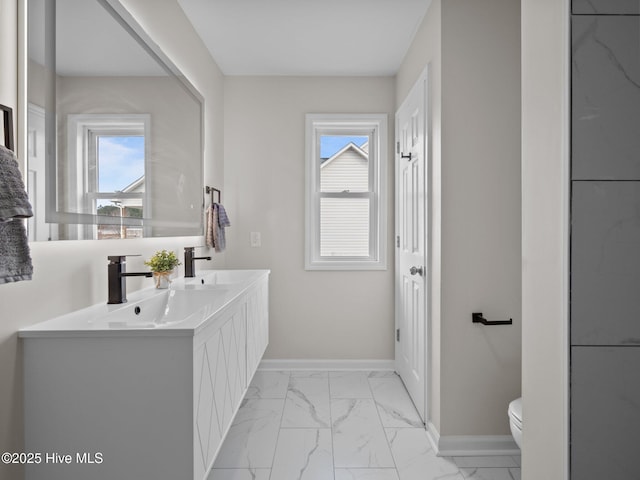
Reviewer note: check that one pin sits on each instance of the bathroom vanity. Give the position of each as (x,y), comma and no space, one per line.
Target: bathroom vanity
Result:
(146,389)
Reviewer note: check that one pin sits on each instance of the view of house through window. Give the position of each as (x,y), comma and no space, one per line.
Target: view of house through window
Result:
(120,186)
(345,191)
(344,218)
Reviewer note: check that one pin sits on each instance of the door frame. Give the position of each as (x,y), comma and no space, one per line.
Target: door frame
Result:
(423,81)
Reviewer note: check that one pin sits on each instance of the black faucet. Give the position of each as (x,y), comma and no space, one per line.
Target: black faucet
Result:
(117,278)
(189,267)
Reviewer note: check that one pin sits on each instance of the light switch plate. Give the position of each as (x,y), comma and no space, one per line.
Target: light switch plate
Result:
(256,241)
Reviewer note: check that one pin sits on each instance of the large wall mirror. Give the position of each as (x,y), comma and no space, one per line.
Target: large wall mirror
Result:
(115,131)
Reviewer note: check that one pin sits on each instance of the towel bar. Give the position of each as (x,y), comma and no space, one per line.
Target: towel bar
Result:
(478,318)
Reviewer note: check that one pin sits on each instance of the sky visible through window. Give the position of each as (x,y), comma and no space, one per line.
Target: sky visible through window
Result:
(331,144)
(120,161)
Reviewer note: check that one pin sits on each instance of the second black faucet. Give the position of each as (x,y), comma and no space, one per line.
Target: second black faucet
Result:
(189,261)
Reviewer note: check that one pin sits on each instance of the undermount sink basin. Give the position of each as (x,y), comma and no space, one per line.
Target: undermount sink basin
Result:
(167,308)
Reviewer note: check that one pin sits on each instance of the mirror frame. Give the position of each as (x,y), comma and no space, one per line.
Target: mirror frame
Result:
(126,20)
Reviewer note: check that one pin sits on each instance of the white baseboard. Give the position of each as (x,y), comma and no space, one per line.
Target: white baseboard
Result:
(320,364)
(470,445)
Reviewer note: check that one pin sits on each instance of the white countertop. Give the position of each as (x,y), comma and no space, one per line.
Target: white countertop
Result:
(197,299)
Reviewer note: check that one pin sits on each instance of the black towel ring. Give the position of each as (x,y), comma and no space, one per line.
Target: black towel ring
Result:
(212,191)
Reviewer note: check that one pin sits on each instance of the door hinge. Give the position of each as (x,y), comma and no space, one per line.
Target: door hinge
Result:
(397,147)
(397,334)
(398,241)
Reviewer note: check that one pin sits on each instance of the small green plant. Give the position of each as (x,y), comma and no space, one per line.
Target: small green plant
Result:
(163,261)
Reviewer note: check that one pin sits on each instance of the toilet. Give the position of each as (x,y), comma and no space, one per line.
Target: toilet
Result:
(515,420)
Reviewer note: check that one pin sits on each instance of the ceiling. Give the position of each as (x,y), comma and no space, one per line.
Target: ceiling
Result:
(307,37)
(82,30)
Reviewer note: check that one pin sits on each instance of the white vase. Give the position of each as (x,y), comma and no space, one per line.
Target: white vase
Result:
(163,279)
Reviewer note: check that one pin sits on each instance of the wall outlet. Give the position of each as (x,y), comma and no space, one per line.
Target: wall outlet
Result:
(256,241)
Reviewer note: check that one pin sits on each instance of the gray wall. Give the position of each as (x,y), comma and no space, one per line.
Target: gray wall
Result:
(314,314)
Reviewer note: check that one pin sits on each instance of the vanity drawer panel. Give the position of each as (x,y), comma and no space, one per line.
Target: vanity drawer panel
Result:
(605,96)
(605,263)
(605,413)
(605,7)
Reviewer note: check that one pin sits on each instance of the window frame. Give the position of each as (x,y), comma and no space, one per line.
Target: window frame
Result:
(83,131)
(374,126)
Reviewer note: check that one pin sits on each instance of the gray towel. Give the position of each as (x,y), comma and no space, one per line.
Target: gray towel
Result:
(14,202)
(15,259)
(210,230)
(217,221)
(221,224)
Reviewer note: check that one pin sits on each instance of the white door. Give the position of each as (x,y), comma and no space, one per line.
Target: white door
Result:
(411,267)
(38,229)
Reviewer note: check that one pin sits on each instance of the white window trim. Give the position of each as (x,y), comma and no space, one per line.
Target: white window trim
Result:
(326,124)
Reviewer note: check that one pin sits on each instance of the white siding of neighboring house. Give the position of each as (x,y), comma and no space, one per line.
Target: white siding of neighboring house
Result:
(347,170)
(138,186)
(344,222)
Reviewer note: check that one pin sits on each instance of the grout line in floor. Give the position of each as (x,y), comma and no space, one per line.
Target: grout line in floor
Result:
(384,430)
(284,405)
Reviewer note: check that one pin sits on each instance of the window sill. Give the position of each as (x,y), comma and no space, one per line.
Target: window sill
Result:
(325,265)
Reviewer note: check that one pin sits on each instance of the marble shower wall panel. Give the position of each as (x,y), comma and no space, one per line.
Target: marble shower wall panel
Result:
(605,259)
(605,97)
(606,7)
(605,413)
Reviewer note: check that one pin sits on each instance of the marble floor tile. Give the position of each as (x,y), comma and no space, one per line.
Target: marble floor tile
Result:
(489,461)
(239,474)
(307,403)
(366,474)
(358,437)
(491,473)
(349,385)
(309,425)
(303,454)
(394,404)
(310,373)
(267,384)
(251,440)
(415,459)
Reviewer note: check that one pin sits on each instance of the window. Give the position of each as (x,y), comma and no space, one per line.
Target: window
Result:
(110,150)
(346,163)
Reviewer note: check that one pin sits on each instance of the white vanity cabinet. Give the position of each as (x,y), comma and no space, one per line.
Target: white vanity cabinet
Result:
(146,404)
(257,324)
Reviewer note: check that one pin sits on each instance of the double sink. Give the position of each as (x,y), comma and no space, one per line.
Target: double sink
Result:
(185,305)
